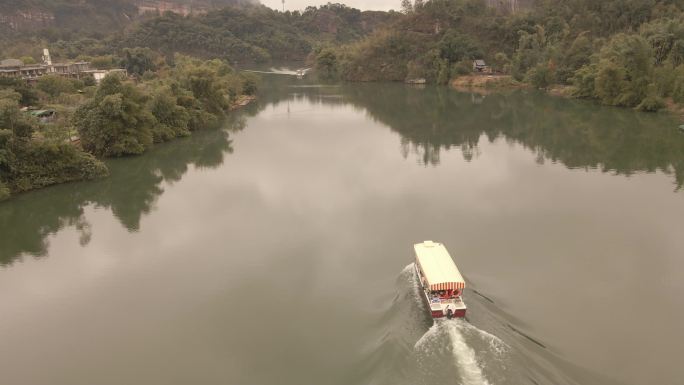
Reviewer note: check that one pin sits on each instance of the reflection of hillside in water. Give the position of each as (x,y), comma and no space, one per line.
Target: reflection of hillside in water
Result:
(129,192)
(575,133)
(429,120)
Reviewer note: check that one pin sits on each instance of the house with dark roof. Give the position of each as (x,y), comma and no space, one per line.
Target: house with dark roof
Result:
(479,65)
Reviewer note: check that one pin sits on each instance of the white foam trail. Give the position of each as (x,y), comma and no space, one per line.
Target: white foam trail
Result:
(410,273)
(466,361)
(274,71)
(430,334)
(496,343)
(407,269)
(465,358)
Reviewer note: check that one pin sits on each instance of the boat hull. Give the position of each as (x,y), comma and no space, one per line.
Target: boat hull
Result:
(458,313)
(440,309)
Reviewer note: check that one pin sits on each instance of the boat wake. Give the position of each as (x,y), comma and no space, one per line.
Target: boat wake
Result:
(469,350)
(408,347)
(413,349)
(469,368)
(446,336)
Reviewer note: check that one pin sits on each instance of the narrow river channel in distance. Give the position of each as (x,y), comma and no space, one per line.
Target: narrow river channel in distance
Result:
(278,249)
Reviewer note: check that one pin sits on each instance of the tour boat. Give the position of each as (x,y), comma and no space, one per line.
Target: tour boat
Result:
(441,282)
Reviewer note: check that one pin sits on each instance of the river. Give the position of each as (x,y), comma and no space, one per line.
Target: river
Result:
(278,249)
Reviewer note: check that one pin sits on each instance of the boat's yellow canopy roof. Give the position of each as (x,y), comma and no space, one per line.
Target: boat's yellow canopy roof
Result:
(438,267)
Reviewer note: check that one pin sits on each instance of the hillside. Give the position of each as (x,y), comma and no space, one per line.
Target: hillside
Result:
(74,15)
(621,52)
(236,30)
(95,15)
(187,7)
(255,33)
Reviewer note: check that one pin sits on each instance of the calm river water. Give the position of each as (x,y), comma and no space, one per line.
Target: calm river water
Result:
(278,250)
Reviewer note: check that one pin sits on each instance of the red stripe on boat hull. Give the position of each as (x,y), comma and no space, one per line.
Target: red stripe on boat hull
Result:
(460,313)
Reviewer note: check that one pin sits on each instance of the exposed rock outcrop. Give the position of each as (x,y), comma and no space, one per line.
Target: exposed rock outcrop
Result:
(26,19)
(511,5)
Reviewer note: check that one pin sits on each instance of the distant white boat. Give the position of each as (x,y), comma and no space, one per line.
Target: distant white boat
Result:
(440,280)
(302,72)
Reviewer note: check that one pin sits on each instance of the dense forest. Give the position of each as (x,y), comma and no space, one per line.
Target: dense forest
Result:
(93,17)
(619,52)
(180,77)
(245,33)
(584,137)
(63,17)
(118,117)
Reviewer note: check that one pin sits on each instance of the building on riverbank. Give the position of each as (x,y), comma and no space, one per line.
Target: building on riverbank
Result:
(98,75)
(479,65)
(17,69)
(13,68)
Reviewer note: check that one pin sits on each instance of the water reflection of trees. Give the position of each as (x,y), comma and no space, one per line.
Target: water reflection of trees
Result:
(575,133)
(130,192)
(430,120)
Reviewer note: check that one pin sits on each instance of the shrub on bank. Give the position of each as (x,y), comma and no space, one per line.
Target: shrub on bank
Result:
(26,163)
(124,118)
(115,122)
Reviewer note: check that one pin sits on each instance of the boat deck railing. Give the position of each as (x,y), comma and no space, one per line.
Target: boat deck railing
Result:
(457,300)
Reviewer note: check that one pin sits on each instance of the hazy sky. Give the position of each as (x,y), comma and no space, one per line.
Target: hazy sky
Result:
(361,4)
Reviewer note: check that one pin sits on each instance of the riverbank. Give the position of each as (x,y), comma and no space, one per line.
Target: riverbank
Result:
(119,117)
(487,84)
(68,163)
(669,105)
(181,222)
(675,108)
(487,81)
(242,101)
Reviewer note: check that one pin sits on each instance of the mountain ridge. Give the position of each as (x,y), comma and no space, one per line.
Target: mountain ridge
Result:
(97,15)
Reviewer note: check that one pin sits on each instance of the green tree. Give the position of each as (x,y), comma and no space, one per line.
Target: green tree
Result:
(28,60)
(54,85)
(250,84)
(625,70)
(4,191)
(212,83)
(501,62)
(26,163)
(610,82)
(138,60)
(455,47)
(28,95)
(115,122)
(406,6)
(6,158)
(575,57)
(584,81)
(531,51)
(541,76)
(678,84)
(666,37)
(12,119)
(326,64)
(170,118)
(103,62)
(652,102)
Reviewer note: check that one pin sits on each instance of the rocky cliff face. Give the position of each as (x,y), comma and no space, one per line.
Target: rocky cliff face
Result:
(511,5)
(26,19)
(186,7)
(79,16)
(167,6)
(95,15)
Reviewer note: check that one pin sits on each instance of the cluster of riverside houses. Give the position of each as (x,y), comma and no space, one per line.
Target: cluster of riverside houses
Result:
(14,68)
